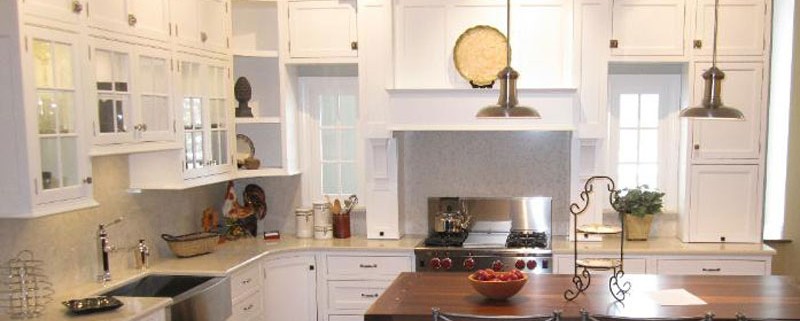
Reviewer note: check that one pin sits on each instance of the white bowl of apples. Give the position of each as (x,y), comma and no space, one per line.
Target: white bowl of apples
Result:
(498,285)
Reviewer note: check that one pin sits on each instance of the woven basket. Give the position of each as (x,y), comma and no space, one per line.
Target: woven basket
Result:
(192,244)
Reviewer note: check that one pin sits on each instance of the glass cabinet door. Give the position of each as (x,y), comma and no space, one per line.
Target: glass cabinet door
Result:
(55,103)
(112,82)
(218,116)
(155,121)
(193,120)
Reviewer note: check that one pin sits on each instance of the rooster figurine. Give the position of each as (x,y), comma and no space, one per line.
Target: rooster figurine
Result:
(232,209)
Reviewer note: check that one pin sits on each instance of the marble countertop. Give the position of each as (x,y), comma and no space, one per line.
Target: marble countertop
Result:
(228,257)
(662,246)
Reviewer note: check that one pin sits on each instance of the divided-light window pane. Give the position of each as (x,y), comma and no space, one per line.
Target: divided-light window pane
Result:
(628,142)
(628,110)
(649,111)
(648,145)
(330,178)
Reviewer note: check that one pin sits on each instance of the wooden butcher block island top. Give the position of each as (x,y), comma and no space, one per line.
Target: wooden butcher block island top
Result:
(412,294)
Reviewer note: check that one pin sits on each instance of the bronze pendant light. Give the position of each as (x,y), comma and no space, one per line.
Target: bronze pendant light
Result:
(507,105)
(712,106)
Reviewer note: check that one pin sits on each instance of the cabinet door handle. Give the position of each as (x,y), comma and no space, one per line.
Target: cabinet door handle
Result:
(696,146)
(354,45)
(368,266)
(614,43)
(248,307)
(698,44)
(132,20)
(87,180)
(203,37)
(77,7)
(373,295)
(712,269)
(247,281)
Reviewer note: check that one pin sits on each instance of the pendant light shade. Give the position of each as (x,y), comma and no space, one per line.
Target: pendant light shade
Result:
(507,104)
(712,106)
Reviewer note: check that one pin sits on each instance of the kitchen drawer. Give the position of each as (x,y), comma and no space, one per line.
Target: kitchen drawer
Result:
(565,265)
(711,267)
(245,280)
(346,317)
(354,295)
(247,308)
(367,267)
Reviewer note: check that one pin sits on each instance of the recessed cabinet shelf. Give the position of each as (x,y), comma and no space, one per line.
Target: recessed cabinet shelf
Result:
(263,172)
(255,53)
(257,120)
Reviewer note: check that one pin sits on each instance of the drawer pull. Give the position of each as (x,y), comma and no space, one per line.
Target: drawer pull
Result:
(248,307)
(712,270)
(373,295)
(247,281)
(368,266)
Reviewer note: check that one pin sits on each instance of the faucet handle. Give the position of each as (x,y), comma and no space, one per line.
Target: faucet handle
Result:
(142,255)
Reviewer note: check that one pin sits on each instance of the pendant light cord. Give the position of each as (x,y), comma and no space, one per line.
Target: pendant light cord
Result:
(508,33)
(716,23)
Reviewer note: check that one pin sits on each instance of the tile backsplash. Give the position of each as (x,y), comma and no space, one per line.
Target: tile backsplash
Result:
(518,163)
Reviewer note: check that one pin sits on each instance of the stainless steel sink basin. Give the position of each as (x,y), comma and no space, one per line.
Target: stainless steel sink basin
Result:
(195,298)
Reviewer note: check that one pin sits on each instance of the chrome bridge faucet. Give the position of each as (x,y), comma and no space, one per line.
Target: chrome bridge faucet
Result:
(105,247)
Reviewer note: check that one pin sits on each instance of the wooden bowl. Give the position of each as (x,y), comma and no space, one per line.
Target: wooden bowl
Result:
(497,290)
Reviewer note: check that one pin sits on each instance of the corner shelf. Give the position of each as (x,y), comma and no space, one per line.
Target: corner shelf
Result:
(263,172)
(257,120)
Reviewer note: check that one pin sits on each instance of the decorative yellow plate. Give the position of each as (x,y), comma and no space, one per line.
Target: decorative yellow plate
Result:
(599,229)
(479,54)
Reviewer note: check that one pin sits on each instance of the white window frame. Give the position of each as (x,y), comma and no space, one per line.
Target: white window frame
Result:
(668,86)
(310,150)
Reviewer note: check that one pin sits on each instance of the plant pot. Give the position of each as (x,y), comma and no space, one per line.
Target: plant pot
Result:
(637,228)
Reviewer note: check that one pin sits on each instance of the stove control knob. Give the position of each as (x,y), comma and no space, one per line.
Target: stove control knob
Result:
(497,265)
(531,264)
(520,264)
(436,263)
(447,263)
(469,264)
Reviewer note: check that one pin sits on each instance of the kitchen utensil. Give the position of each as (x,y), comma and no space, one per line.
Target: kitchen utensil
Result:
(193,244)
(92,304)
(336,209)
(450,222)
(26,289)
(350,203)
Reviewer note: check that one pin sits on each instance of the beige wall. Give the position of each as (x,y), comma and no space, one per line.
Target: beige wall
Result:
(788,258)
(67,242)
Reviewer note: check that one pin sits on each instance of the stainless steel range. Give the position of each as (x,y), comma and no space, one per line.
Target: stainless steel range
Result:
(498,233)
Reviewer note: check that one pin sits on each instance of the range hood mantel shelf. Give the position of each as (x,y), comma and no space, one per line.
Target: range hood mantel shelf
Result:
(487,91)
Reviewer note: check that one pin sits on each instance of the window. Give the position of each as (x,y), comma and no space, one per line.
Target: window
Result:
(644,132)
(331,155)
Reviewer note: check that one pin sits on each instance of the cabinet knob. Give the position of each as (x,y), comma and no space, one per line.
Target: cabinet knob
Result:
(203,37)
(131,20)
(354,45)
(696,146)
(698,44)
(613,43)
(77,7)
(87,180)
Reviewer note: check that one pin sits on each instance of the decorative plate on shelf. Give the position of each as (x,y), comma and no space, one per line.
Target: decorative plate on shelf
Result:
(599,229)
(244,148)
(479,54)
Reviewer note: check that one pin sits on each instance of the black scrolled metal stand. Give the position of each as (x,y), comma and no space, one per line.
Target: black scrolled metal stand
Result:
(619,288)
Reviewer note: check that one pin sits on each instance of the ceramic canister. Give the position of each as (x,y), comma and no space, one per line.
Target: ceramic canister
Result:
(323,232)
(305,222)
(322,214)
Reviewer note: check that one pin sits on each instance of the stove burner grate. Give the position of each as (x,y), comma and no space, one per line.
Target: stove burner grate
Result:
(446,239)
(527,240)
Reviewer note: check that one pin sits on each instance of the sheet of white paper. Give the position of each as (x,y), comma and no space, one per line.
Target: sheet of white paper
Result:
(675,297)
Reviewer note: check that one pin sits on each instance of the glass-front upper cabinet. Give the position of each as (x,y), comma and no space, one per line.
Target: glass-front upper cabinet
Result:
(204,117)
(62,162)
(132,92)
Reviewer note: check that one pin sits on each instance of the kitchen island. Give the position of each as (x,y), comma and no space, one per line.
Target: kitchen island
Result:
(412,295)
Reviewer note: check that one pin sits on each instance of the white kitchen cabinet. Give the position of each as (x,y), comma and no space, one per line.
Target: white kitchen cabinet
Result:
(201,24)
(322,29)
(47,169)
(147,19)
(246,298)
(352,281)
(705,266)
(290,288)
(723,204)
(648,27)
(592,29)
(132,97)
(731,140)
(205,129)
(61,13)
(734,37)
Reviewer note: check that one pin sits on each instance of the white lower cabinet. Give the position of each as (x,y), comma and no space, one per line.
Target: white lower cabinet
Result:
(713,267)
(354,280)
(246,299)
(290,288)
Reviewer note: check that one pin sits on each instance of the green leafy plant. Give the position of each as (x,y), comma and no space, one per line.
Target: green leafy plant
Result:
(639,201)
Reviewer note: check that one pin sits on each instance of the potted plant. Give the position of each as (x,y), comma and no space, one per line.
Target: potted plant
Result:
(637,207)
